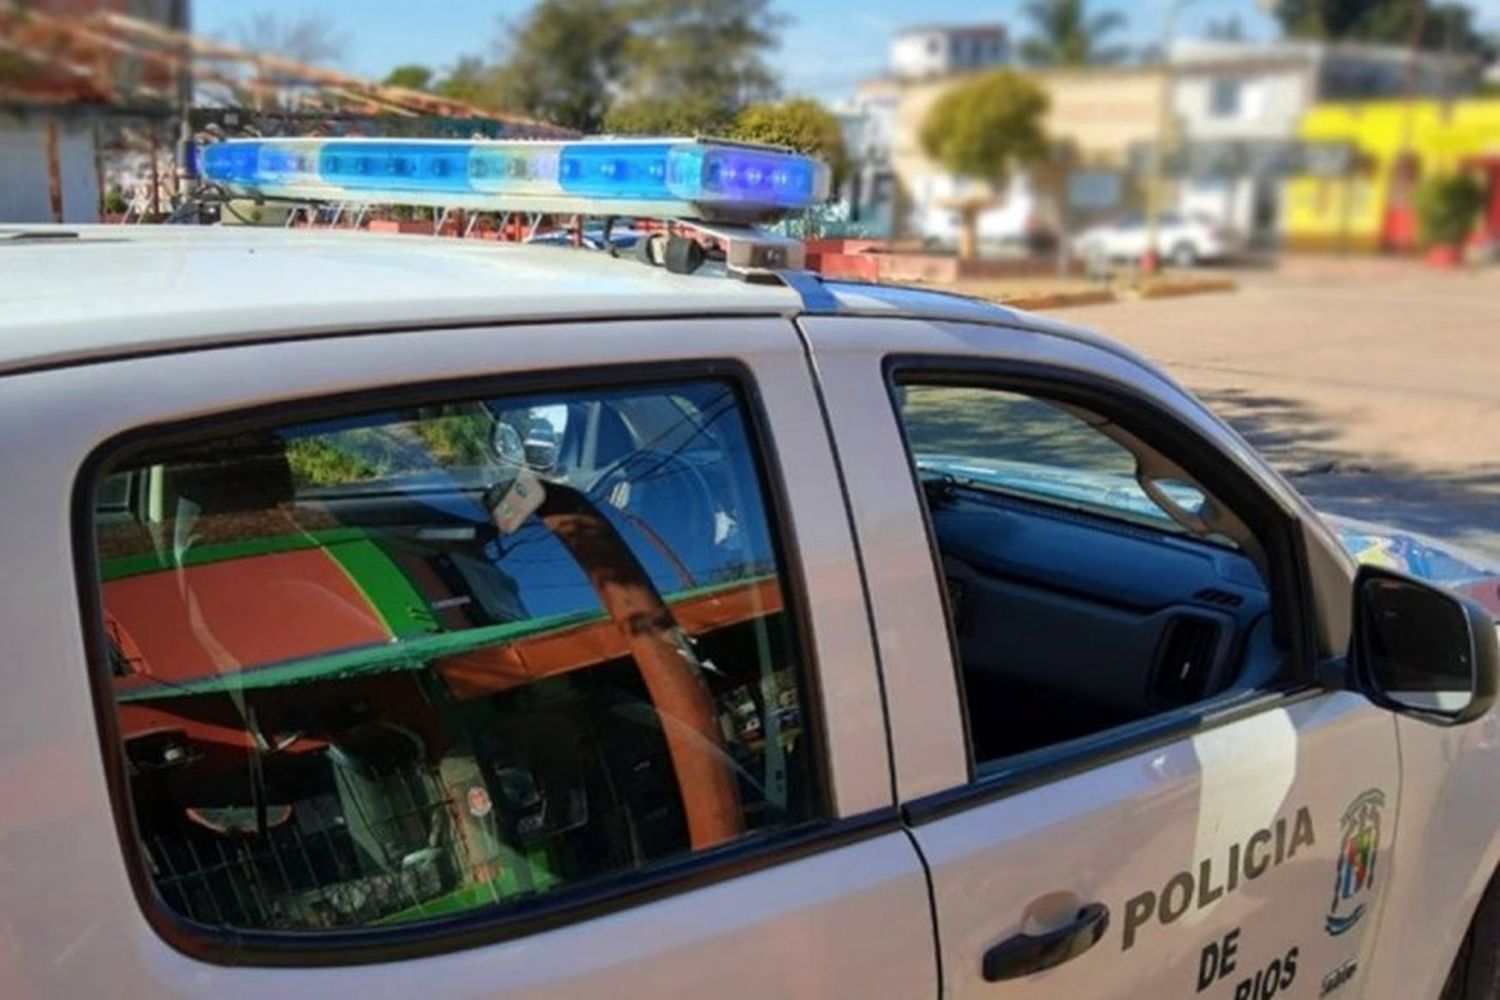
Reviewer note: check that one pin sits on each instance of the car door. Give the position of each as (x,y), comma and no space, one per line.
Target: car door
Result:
(1109,745)
(384,690)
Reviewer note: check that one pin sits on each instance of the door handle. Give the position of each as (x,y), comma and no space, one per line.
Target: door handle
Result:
(1027,953)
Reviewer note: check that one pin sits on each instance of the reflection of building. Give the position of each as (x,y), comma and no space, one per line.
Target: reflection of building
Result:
(50,107)
(926,51)
(1100,114)
(1366,160)
(1238,106)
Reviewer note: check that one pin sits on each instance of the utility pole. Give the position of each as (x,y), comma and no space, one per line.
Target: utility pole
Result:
(183,148)
(1151,259)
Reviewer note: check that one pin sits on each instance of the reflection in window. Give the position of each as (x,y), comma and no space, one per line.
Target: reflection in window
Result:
(392,667)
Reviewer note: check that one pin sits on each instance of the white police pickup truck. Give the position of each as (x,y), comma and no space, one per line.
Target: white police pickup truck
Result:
(397,617)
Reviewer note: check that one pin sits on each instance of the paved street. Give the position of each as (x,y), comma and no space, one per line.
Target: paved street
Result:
(1375,385)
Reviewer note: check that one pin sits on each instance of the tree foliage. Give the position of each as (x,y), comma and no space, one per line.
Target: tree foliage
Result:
(700,50)
(1066,34)
(688,115)
(473,81)
(1446,27)
(412,76)
(986,127)
(1449,206)
(565,62)
(800,124)
(983,129)
(629,66)
(310,39)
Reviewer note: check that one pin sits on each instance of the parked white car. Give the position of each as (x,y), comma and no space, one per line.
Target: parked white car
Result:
(1184,240)
(484,620)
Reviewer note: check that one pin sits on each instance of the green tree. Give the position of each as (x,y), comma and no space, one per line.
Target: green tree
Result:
(708,50)
(681,116)
(565,61)
(412,76)
(984,129)
(1448,206)
(473,81)
(1446,27)
(1068,35)
(800,124)
(629,66)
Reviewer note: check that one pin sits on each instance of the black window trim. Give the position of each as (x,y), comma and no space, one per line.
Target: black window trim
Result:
(490,924)
(1292,607)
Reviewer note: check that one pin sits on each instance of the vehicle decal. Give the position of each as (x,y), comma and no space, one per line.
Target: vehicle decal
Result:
(1338,977)
(1359,833)
(1219,959)
(1271,980)
(1262,850)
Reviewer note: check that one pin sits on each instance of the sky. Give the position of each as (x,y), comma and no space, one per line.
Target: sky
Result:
(827,46)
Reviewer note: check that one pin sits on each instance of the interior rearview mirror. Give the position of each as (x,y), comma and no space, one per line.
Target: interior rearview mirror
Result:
(1422,651)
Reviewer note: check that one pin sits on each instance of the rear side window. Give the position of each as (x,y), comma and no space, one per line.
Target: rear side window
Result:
(405,664)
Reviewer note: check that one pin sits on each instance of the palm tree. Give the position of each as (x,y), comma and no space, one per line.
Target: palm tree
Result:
(1067,35)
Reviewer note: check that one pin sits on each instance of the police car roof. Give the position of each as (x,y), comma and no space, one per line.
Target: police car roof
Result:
(84,293)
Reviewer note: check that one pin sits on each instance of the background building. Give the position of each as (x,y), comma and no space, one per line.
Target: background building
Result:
(1366,160)
(1101,116)
(925,51)
(1238,109)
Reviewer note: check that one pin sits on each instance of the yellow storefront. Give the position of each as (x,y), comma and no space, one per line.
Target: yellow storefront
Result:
(1363,199)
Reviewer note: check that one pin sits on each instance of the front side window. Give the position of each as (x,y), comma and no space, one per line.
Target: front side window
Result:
(1092,583)
(1011,443)
(404,664)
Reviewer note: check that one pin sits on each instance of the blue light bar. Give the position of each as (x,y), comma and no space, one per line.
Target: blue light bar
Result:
(666,177)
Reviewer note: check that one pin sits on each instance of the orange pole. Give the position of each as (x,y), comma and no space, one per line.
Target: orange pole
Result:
(54,173)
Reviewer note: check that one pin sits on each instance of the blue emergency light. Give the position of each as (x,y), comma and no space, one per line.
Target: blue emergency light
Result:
(682,178)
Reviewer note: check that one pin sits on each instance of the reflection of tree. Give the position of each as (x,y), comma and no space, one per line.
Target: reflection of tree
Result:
(989,424)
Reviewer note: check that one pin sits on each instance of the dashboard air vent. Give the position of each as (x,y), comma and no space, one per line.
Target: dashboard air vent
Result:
(1186,660)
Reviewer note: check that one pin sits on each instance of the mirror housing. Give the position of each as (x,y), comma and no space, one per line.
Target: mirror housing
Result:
(1420,650)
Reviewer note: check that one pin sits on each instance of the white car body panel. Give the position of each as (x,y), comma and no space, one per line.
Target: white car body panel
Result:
(155,325)
(1087,838)
(853,917)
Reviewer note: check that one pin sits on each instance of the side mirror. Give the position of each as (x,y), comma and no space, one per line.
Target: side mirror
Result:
(1422,651)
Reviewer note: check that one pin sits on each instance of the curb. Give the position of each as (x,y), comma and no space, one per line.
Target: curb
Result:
(1173,289)
(1059,300)
(1101,296)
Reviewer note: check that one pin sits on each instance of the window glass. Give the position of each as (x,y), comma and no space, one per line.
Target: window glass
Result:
(396,666)
(1080,601)
(1224,98)
(1017,444)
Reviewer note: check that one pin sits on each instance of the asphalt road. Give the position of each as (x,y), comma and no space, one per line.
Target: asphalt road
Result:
(1374,385)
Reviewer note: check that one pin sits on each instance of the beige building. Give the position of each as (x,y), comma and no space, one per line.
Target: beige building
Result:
(1102,114)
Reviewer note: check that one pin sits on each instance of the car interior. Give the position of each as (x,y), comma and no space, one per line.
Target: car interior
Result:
(1080,599)
(318,729)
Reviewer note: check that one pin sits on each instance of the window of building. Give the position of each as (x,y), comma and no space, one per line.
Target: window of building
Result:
(1092,583)
(1224,98)
(384,668)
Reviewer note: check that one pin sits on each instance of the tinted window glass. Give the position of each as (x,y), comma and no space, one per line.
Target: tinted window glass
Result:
(1083,597)
(405,664)
(1029,447)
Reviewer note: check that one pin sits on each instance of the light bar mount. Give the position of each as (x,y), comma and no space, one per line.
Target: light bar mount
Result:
(750,251)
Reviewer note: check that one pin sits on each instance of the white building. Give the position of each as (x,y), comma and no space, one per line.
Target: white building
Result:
(1237,107)
(926,51)
(35,152)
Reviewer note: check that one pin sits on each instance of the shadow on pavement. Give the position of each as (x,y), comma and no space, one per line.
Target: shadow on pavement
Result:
(1461,506)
